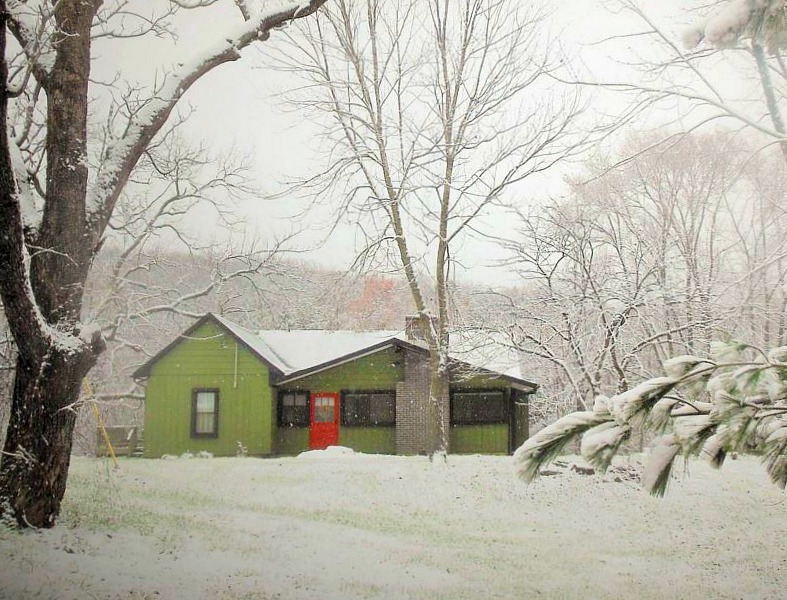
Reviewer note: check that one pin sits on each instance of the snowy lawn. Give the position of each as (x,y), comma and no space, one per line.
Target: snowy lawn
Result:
(329,525)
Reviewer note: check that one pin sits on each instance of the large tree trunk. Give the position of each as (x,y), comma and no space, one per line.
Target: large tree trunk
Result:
(53,354)
(37,448)
(437,417)
(437,425)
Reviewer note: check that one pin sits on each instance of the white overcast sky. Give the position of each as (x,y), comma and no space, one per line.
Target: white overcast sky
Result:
(236,109)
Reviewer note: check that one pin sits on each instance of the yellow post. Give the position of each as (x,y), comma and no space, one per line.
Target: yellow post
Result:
(88,389)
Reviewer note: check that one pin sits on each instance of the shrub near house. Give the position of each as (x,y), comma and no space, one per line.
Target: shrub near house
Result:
(283,392)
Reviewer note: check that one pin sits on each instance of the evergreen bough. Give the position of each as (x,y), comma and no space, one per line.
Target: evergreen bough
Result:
(734,401)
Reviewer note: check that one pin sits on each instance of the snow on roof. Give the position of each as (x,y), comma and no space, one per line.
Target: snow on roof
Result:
(254,342)
(296,351)
(487,354)
(301,349)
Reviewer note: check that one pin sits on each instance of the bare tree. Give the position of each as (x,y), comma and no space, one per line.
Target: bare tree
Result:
(173,181)
(733,400)
(586,281)
(432,111)
(56,223)
(757,277)
(655,257)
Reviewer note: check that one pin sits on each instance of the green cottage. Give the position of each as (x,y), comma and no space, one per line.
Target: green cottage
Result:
(219,386)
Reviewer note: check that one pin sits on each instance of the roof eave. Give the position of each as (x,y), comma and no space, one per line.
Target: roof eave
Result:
(516,382)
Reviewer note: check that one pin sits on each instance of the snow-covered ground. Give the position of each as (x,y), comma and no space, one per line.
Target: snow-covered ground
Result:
(333,525)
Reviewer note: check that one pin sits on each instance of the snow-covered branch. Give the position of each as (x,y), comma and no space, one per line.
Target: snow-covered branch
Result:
(548,443)
(29,201)
(121,157)
(747,412)
(762,20)
(31,22)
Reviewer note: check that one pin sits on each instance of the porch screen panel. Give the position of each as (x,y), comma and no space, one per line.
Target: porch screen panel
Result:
(382,409)
(479,407)
(369,409)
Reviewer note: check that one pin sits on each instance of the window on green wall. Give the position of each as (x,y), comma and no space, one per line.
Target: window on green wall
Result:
(293,409)
(205,413)
(479,407)
(369,409)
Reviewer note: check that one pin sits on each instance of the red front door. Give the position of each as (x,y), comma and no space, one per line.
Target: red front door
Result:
(323,420)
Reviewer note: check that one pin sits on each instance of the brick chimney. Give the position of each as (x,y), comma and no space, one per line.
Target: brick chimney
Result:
(412,394)
(415,327)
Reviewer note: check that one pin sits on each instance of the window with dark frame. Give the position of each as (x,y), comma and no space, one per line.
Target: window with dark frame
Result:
(205,413)
(293,409)
(369,409)
(479,407)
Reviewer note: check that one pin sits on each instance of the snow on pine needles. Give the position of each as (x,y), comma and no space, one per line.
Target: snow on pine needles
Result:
(341,525)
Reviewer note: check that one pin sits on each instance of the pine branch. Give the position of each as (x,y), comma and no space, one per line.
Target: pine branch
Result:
(601,443)
(659,466)
(548,443)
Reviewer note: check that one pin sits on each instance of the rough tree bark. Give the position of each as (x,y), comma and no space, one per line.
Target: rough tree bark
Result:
(48,372)
(43,268)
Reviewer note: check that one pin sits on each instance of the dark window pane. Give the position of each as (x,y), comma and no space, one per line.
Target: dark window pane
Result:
(479,408)
(369,409)
(354,409)
(294,409)
(382,409)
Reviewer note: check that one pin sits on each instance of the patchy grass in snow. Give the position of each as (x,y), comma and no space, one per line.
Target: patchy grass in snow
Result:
(343,526)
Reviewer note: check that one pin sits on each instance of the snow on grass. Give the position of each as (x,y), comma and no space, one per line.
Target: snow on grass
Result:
(338,525)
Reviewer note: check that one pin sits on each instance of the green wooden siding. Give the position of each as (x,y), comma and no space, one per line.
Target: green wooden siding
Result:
(292,440)
(372,440)
(479,439)
(378,371)
(521,420)
(208,360)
